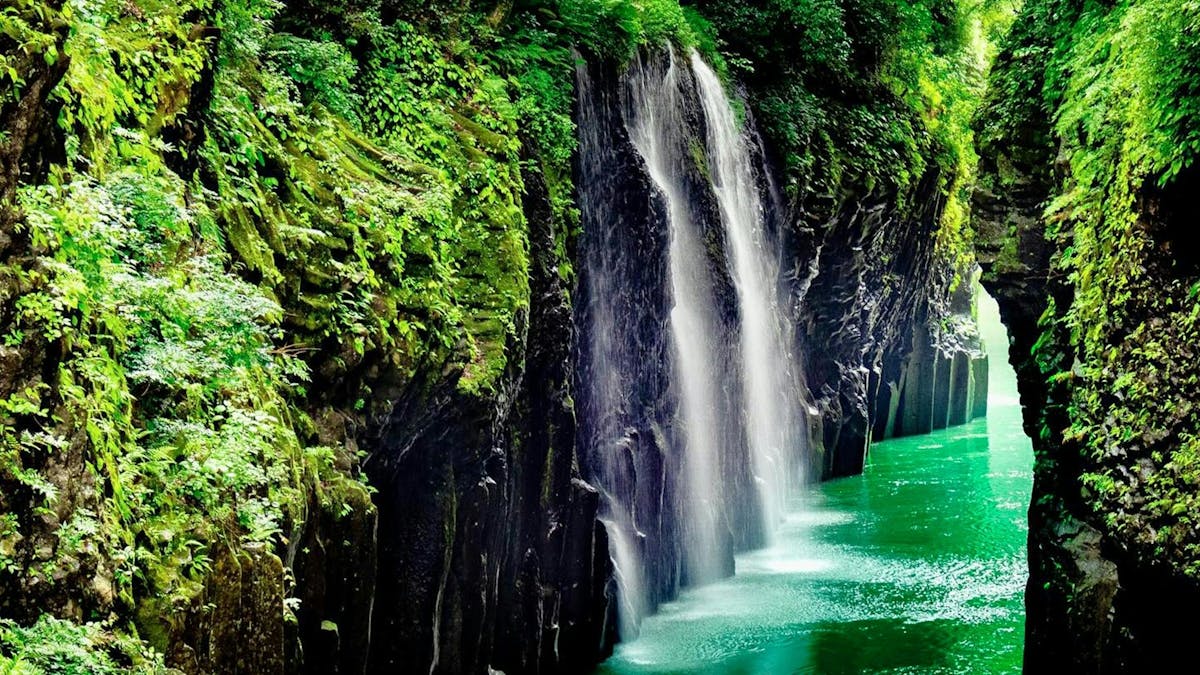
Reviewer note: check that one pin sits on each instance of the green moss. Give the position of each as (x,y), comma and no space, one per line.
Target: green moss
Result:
(1134,319)
(1118,82)
(1008,259)
(699,158)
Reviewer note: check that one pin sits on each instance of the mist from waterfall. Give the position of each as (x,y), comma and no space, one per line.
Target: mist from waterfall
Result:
(690,401)
(772,389)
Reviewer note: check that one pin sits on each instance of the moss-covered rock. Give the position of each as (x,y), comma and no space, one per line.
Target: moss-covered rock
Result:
(1088,139)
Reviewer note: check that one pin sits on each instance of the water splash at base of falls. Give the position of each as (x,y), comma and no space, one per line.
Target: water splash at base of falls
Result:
(691,403)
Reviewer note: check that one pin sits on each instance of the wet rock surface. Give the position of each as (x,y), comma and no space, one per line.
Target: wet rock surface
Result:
(871,297)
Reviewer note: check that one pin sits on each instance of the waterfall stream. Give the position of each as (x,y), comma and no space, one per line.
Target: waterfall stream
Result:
(659,133)
(690,395)
(612,364)
(772,391)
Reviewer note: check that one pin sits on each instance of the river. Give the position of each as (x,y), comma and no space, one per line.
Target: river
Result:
(916,566)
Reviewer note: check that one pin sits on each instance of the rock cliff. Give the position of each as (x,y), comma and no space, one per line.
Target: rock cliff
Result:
(1078,242)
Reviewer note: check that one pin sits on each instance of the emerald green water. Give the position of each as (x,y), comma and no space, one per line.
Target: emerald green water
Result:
(917,566)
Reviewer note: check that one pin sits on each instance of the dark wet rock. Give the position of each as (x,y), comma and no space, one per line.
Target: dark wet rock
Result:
(334,566)
(490,554)
(871,297)
(234,625)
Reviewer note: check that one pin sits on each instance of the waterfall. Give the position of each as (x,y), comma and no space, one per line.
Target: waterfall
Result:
(772,389)
(611,366)
(659,132)
(688,389)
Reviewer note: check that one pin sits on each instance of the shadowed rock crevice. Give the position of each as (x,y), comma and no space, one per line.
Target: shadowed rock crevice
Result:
(884,357)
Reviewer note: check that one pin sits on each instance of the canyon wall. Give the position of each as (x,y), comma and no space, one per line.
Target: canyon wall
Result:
(893,351)
(1079,210)
(296,316)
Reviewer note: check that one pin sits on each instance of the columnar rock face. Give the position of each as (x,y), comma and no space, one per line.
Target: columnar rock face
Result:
(25,147)
(1073,581)
(501,516)
(890,351)
(629,380)
(870,301)
(1089,605)
(491,554)
(334,565)
(232,621)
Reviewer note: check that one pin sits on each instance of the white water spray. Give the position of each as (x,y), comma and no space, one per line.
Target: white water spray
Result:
(658,131)
(772,391)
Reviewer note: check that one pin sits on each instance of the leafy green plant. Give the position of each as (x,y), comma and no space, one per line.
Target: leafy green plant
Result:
(323,71)
(27,34)
(56,647)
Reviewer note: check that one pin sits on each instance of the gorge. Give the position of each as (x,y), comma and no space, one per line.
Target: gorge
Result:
(495,335)
(917,564)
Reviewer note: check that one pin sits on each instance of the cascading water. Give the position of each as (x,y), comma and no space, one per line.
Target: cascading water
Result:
(689,400)
(611,366)
(659,132)
(771,388)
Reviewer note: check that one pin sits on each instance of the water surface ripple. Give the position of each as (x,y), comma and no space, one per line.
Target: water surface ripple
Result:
(917,566)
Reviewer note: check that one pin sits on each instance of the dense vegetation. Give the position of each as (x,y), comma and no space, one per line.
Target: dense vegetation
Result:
(867,97)
(369,211)
(1115,101)
(248,224)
